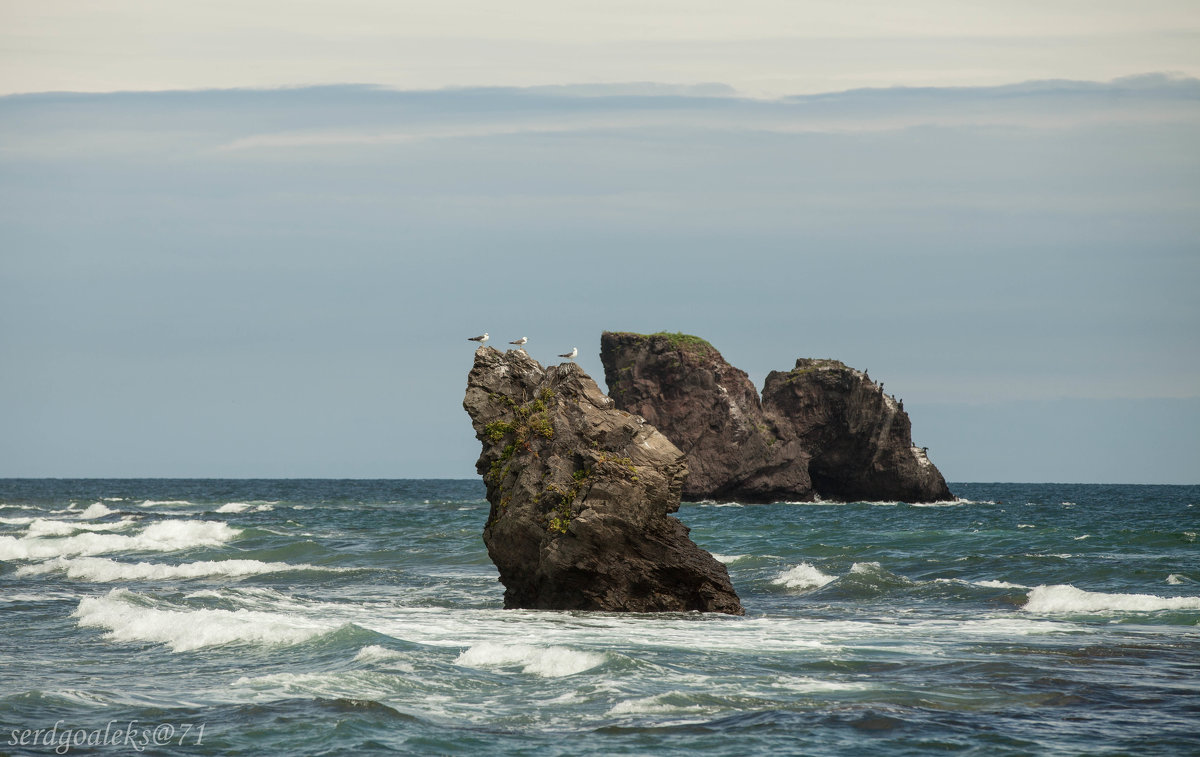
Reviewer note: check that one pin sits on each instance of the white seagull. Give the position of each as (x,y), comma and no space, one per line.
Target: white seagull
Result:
(520,342)
(481,338)
(571,355)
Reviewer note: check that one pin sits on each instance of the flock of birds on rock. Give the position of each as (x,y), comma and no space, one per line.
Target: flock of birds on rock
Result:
(521,344)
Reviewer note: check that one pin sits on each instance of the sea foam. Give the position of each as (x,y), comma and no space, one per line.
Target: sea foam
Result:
(101,569)
(803,576)
(727,559)
(676,702)
(548,662)
(163,536)
(49,527)
(125,618)
(1064,598)
(241,507)
(95,510)
(387,658)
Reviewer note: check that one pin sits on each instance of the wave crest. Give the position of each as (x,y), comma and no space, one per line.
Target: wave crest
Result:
(548,662)
(804,576)
(125,617)
(163,536)
(1064,598)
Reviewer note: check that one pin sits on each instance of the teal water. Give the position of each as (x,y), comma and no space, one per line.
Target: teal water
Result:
(335,617)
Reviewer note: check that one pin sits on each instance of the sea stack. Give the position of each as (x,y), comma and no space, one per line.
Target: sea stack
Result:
(822,429)
(580,496)
(711,411)
(858,439)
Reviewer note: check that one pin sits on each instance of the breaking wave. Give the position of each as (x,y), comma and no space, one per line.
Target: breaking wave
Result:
(1064,598)
(804,576)
(164,536)
(100,569)
(125,617)
(548,662)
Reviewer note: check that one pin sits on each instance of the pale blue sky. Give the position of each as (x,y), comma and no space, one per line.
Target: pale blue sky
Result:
(280,282)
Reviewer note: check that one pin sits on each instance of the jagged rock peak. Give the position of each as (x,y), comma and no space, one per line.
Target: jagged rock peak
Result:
(580,496)
(821,428)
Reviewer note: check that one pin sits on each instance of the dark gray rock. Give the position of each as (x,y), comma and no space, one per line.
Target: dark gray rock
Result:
(711,411)
(580,496)
(821,429)
(859,439)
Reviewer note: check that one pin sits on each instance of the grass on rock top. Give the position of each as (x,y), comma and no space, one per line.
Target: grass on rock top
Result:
(679,341)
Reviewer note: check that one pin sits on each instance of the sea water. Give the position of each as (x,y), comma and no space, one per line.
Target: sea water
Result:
(338,617)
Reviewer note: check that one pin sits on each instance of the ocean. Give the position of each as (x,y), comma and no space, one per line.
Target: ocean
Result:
(321,617)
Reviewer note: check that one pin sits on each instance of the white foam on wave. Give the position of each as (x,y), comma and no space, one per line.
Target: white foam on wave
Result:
(727,559)
(389,658)
(163,536)
(803,576)
(957,502)
(241,507)
(343,684)
(164,502)
(16,521)
(125,618)
(659,704)
(43,527)
(999,585)
(1175,579)
(806,685)
(1064,598)
(101,569)
(375,653)
(94,511)
(548,662)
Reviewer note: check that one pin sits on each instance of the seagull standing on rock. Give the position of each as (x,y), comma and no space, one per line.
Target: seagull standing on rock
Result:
(520,342)
(481,338)
(570,355)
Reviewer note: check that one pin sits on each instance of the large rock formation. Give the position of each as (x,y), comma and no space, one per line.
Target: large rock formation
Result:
(711,411)
(858,438)
(580,494)
(821,429)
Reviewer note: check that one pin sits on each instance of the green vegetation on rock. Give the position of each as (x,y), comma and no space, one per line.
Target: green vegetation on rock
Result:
(677,340)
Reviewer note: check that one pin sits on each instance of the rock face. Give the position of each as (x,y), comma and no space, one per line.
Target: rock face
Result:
(580,494)
(821,429)
(711,411)
(859,439)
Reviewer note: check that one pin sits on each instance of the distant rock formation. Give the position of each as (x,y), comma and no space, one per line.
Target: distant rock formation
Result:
(711,411)
(858,438)
(821,429)
(580,494)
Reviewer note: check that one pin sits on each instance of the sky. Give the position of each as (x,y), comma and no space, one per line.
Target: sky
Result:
(250,239)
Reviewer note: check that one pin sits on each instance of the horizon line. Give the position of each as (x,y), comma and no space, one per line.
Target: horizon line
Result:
(694,90)
(480,479)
